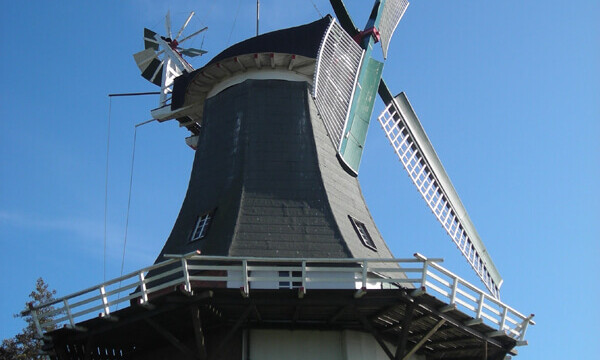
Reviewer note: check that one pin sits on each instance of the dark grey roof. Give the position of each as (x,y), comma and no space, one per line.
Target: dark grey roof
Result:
(301,40)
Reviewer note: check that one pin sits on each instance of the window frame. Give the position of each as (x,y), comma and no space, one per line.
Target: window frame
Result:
(201,226)
(363,234)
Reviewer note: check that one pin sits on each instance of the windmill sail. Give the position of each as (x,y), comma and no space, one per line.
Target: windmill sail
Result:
(335,79)
(411,144)
(149,65)
(414,149)
(393,10)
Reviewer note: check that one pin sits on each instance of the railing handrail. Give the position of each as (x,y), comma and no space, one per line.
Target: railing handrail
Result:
(428,276)
(479,291)
(98,286)
(195,256)
(172,258)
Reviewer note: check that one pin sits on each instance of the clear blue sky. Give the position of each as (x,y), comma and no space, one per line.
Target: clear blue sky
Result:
(508,92)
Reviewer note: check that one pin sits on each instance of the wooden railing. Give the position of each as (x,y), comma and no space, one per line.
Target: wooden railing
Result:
(420,274)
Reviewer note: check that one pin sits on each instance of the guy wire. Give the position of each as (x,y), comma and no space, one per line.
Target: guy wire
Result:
(106,185)
(129,197)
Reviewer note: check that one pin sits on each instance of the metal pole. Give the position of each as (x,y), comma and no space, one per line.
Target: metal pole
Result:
(135,94)
(257,15)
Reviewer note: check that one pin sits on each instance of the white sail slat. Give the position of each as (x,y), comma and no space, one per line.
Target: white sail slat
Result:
(411,144)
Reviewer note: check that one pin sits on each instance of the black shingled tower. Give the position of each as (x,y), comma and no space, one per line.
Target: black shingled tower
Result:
(266,171)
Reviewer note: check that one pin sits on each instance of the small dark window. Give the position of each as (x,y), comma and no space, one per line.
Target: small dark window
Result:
(202,224)
(363,234)
(286,284)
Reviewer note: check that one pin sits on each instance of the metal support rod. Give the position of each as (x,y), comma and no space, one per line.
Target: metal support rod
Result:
(257,15)
(144,122)
(135,94)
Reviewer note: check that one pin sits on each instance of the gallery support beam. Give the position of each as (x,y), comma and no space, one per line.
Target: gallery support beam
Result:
(172,339)
(399,325)
(338,313)
(367,325)
(424,339)
(402,339)
(198,333)
(250,308)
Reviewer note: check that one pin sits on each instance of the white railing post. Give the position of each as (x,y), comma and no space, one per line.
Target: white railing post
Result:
(423,286)
(503,320)
(245,276)
(363,287)
(302,289)
(453,293)
(425,262)
(480,305)
(364,274)
(68,311)
(143,288)
(424,274)
(36,321)
(186,275)
(304,274)
(523,326)
(104,301)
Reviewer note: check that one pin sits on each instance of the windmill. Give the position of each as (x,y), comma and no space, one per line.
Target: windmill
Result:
(274,252)
(162,59)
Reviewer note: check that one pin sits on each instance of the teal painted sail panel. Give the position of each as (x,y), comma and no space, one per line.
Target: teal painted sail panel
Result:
(355,130)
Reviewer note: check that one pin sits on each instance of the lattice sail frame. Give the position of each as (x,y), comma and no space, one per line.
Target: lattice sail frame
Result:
(407,137)
(393,11)
(336,74)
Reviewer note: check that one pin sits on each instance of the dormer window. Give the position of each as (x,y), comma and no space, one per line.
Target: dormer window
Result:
(363,234)
(202,225)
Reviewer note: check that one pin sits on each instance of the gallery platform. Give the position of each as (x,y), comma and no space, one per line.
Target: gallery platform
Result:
(206,307)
